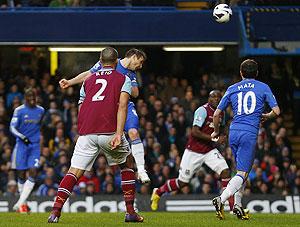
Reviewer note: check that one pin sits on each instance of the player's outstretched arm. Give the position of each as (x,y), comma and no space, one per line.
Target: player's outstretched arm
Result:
(64,83)
(121,118)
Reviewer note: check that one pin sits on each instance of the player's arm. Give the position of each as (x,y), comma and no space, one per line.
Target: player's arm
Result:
(81,96)
(199,119)
(14,125)
(271,100)
(64,83)
(216,117)
(122,113)
(134,86)
(216,121)
(43,115)
(275,112)
(134,92)
(197,133)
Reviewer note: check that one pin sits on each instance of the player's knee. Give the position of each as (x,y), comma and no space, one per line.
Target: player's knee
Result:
(33,173)
(125,165)
(133,134)
(225,173)
(21,175)
(77,172)
(183,179)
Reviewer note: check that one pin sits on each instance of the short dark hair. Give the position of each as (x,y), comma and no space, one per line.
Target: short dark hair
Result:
(137,52)
(108,55)
(249,68)
(29,91)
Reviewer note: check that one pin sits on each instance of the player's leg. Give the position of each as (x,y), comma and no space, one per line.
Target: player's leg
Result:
(21,174)
(219,206)
(128,188)
(189,163)
(19,162)
(225,178)
(215,161)
(33,152)
(244,160)
(120,156)
(170,186)
(85,152)
(21,177)
(27,189)
(238,207)
(64,190)
(137,147)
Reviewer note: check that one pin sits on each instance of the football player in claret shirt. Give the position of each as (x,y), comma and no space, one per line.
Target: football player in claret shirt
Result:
(128,66)
(200,149)
(247,99)
(25,126)
(102,114)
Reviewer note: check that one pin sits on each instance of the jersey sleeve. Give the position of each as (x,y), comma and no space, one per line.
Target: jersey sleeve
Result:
(134,82)
(81,94)
(127,85)
(270,98)
(96,67)
(15,123)
(224,101)
(199,117)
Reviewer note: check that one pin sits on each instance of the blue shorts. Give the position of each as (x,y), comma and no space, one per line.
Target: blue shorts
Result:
(132,120)
(26,156)
(242,144)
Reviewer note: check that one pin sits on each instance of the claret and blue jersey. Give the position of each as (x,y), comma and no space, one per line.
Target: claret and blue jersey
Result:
(132,120)
(247,99)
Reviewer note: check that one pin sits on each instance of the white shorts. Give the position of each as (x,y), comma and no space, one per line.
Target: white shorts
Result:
(192,161)
(88,148)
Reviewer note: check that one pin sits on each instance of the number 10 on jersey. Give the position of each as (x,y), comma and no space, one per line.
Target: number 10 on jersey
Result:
(243,102)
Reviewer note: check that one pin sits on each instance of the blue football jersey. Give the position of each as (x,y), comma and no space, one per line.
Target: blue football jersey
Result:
(247,99)
(120,68)
(26,122)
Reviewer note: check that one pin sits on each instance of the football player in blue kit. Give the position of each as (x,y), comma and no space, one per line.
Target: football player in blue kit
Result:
(25,126)
(128,66)
(247,99)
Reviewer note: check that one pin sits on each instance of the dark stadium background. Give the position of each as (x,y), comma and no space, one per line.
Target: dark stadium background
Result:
(173,85)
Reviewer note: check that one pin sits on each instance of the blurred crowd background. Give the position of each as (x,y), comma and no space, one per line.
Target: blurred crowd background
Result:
(166,106)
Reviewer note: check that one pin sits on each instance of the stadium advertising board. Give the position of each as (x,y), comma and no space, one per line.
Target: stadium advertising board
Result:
(114,203)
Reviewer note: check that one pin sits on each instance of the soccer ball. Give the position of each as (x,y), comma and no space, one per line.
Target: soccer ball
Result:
(222,13)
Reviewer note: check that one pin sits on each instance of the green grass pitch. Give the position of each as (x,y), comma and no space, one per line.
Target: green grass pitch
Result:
(151,219)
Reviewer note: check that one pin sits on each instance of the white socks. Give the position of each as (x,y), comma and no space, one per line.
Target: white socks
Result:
(138,153)
(238,195)
(20,186)
(233,186)
(27,188)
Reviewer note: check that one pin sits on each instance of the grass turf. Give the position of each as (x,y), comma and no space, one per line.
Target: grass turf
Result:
(151,219)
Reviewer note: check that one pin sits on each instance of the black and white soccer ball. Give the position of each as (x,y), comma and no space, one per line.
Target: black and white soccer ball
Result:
(222,13)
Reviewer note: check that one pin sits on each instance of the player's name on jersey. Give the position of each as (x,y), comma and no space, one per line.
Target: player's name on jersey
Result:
(246,85)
